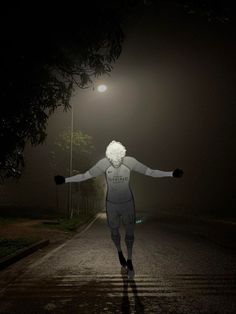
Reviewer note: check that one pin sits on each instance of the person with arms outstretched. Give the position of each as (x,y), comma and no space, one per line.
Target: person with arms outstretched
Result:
(116,166)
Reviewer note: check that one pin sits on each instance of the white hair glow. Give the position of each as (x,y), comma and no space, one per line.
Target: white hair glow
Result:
(115,152)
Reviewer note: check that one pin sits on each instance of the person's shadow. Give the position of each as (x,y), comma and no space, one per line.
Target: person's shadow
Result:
(125,306)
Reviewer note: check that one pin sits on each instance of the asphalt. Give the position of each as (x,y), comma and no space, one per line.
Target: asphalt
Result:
(181,266)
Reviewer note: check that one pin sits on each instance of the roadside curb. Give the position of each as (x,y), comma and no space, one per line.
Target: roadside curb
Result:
(206,219)
(80,230)
(85,224)
(218,221)
(8,260)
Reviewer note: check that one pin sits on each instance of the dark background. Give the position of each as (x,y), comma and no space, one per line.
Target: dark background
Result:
(171,102)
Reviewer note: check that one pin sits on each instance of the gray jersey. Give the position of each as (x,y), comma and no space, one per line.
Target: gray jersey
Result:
(118,179)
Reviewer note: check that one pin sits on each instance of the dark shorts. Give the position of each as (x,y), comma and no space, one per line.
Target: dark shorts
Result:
(124,212)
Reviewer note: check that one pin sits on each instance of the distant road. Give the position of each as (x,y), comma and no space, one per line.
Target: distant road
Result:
(180,268)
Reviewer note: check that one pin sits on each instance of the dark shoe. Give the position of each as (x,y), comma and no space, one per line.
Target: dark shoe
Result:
(122,259)
(129,264)
(130,269)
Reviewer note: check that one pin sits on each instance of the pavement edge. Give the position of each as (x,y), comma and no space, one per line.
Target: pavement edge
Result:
(8,260)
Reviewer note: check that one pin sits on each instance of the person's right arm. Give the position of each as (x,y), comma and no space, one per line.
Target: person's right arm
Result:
(79,177)
(93,172)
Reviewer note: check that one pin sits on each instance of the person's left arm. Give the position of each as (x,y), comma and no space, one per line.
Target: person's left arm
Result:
(141,168)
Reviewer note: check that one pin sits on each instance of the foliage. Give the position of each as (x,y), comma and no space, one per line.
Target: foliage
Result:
(46,53)
(83,149)
(220,11)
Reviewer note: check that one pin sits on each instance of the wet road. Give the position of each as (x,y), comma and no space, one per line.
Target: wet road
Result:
(180,268)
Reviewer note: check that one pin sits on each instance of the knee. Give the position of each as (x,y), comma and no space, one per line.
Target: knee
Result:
(129,240)
(129,230)
(115,232)
(129,237)
(115,236)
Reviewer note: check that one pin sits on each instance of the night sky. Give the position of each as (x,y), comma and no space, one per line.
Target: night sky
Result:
(171,101)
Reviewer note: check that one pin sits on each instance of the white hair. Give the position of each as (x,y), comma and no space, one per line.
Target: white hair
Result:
(115,152)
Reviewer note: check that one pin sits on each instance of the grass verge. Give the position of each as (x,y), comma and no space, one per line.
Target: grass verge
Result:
(8,220)
(11,246)
(66,224)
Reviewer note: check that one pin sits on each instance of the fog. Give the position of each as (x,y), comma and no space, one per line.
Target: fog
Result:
(171,102)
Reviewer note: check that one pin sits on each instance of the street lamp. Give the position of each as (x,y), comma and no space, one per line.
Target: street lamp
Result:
(101,89)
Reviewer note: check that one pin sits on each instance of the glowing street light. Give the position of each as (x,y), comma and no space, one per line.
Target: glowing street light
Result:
(102,88)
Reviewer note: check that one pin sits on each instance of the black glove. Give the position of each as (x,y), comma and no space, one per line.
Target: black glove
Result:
(177,173)
(59,179)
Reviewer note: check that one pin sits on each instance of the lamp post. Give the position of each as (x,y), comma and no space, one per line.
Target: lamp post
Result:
(70,211)
(101,89)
